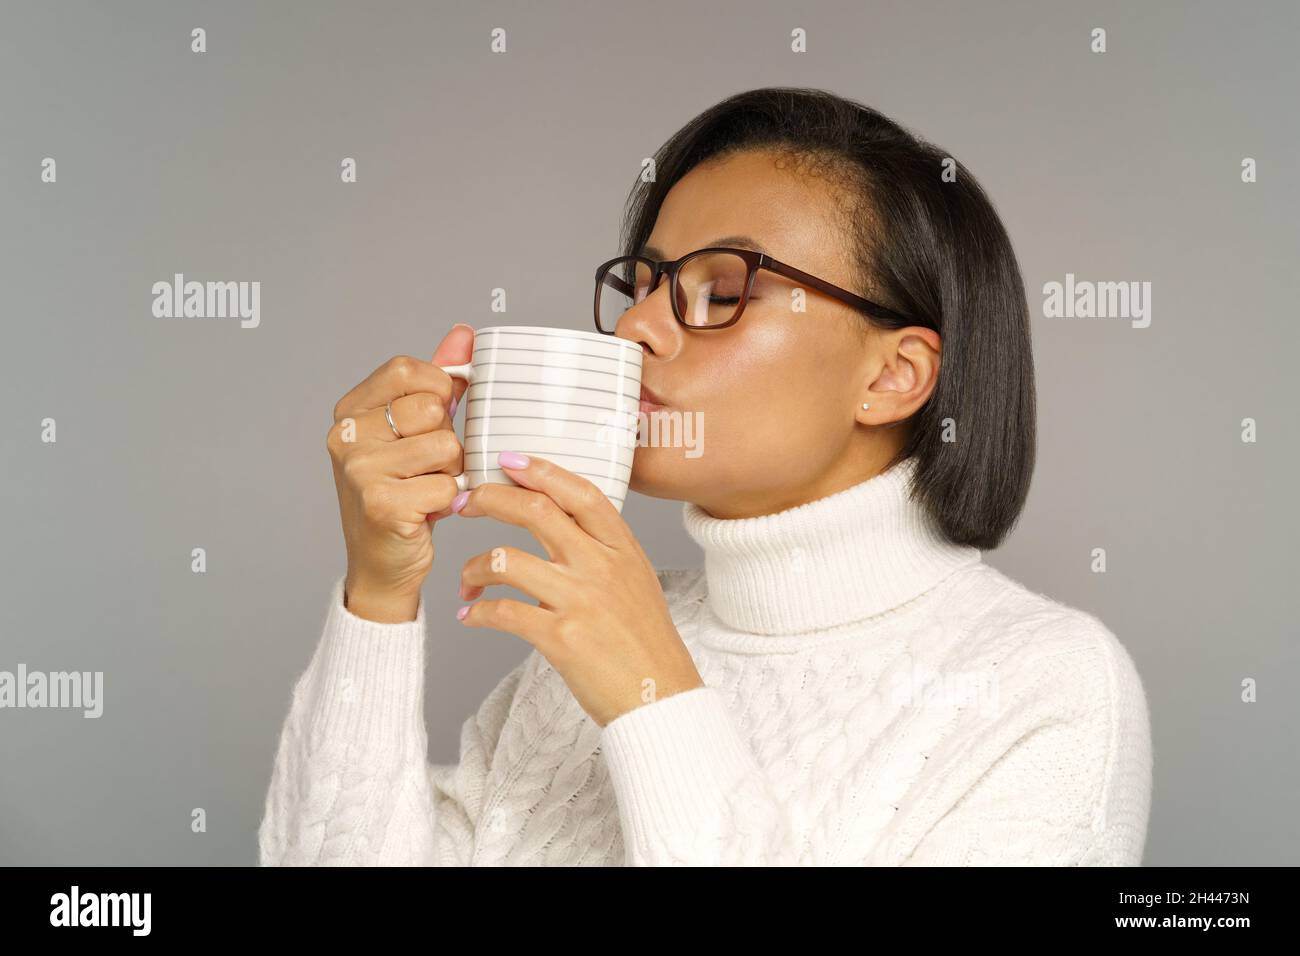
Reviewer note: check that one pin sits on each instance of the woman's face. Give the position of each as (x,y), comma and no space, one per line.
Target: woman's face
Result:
(767,414)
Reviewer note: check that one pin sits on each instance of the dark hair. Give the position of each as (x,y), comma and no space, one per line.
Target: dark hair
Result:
(932,249)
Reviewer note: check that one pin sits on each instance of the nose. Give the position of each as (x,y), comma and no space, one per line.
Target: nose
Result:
(651,323)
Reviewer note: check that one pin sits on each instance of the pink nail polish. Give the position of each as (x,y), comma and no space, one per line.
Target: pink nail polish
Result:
(460,615)
(512,459)
(451,412)
(459,501)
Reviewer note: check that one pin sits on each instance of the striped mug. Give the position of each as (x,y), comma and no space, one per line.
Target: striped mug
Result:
(566,395)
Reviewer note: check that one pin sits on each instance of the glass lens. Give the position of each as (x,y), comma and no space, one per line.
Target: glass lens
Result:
(622,286)
(710,287)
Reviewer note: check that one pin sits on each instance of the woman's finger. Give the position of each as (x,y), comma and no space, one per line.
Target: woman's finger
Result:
(531,510)
(400,375)
(534,624)
(409,501)
(536,577)
(578,497)
(414,414)
(436,451)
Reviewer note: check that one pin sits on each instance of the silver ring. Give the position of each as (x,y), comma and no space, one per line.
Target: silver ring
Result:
(388,413)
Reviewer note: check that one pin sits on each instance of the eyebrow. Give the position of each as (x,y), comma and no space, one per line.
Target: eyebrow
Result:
(737,242)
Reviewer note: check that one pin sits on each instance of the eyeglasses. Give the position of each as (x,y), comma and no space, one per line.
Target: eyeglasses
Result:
(709,287)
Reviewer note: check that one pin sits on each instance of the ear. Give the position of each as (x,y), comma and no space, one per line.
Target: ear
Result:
(909,370)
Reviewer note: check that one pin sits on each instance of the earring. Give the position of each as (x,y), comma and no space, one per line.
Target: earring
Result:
(865,405)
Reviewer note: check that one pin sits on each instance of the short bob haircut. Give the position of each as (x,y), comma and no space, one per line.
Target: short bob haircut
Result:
(926,244)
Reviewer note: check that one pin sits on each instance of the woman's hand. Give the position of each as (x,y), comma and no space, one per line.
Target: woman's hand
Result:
(389,488)
(601,620)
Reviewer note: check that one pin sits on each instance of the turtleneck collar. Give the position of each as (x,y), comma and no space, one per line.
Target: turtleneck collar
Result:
(832,561)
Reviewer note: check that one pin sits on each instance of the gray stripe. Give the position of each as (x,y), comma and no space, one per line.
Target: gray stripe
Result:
(524,348)
(541,418)
(585,388)
(536,401)
(563,454)
(614,342)
(502,363)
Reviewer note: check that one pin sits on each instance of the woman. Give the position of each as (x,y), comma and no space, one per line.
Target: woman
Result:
(844,681)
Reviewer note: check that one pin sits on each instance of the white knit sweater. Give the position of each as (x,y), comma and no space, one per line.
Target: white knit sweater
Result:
(875,695)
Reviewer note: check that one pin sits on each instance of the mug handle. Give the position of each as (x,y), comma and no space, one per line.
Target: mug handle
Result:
(465,372)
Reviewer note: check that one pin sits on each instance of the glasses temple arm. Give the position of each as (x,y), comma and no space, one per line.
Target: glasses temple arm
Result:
(866,305)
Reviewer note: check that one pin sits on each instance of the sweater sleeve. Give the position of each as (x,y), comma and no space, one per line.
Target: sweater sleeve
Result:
(689,789)
(1071,786)
(351,783)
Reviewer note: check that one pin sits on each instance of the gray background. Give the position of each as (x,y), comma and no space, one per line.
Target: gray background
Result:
(481,170)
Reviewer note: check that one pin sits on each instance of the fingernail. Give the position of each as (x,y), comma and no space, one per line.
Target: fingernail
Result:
(451,412)
(459,501)
(512,459)
(460,615)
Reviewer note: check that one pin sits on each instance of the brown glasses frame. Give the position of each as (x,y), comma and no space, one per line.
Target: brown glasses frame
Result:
(753,261)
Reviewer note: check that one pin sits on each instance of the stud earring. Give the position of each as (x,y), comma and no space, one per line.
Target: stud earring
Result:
(865,405)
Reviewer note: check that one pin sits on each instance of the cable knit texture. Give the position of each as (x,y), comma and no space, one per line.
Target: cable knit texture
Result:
(874,695)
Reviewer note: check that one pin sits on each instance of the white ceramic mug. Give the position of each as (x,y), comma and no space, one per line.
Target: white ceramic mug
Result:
(566,395)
